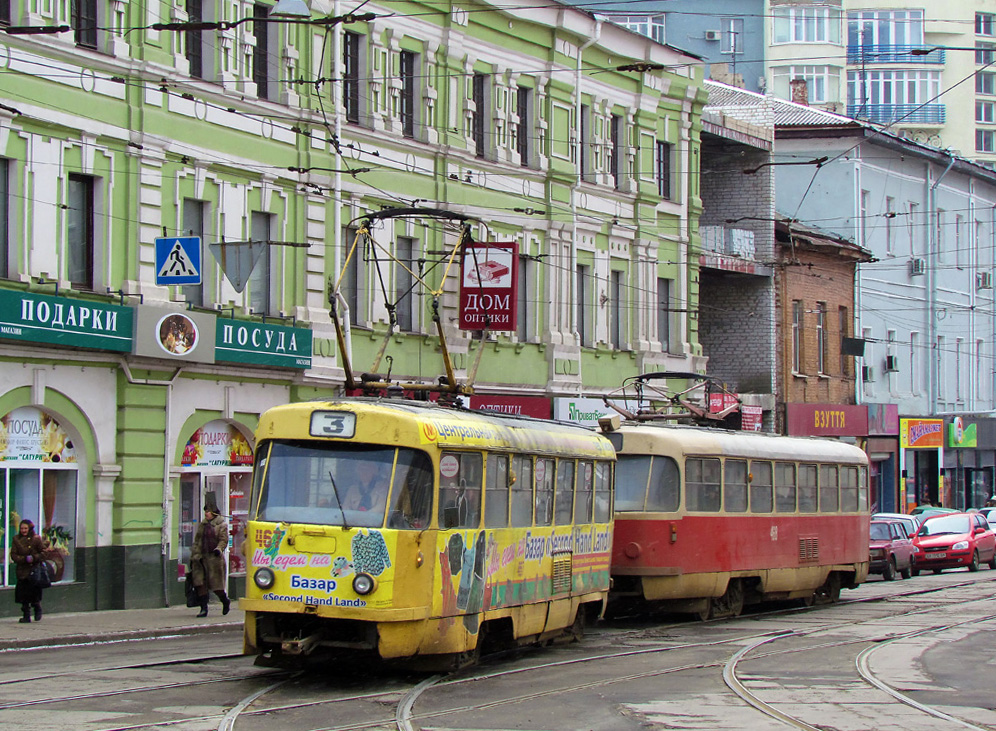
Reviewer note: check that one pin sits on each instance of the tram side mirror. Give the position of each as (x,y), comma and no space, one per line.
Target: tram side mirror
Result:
(451,517)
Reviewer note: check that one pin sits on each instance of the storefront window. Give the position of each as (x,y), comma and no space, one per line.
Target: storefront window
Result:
(217,461)
(38,481)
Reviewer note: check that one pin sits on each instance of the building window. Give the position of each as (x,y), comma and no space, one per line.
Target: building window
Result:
(914,363)
(523,311)
(863,217)
(885,28)
(79,232)
(5,12)
(844,328)
(942,250)
(890,228)
(911,223)
(193,39)
(617,309)
(985,140)
(985,82)
(959,347)
(260,280)
(4,218)
(822,82)
(260,52)
(407,63)
(524,127)
(797,336)
(651,26)
(806,24)
(984,24)
(733,35)
(350,283)
(821,337)
(960,252)
(585,142)
(985,112)
(893,87)
(480,112)
(84,18)
(615,156)
(351,76)
(583,288)
(664,287)
(979,384)
(985,53)
(193,213)
(404,283)
(662,164)
(939,365)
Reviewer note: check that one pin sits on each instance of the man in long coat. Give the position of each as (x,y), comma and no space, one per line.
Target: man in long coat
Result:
(207,557)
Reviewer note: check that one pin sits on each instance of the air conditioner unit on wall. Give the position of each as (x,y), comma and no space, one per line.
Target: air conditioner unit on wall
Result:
(714,35)
(867,373)
(918,266)
(984,280)
(891,363)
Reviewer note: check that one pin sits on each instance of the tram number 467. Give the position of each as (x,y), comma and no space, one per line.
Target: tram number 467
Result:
(333,424)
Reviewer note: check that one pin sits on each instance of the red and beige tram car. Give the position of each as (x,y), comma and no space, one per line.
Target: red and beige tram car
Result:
(708,520)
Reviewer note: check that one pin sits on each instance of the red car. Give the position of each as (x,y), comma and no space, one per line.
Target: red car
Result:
(953,540)
(891,550)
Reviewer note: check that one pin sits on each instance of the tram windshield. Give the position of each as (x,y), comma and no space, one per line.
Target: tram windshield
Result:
(347,485)
(647,483)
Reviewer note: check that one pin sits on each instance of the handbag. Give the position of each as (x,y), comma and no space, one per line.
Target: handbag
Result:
(40,576)
(190,591)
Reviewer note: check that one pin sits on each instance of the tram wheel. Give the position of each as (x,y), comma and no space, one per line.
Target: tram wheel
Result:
(831,589)
(735,597)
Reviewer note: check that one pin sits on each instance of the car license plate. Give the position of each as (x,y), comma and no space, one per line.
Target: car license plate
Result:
(937,555)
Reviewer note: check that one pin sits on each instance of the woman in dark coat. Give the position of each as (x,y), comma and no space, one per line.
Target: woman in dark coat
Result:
(207,558)
(26,551)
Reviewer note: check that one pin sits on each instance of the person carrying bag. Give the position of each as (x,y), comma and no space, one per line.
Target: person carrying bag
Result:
(26,551)
(207,557)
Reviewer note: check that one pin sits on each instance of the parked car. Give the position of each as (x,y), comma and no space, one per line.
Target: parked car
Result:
(953,540)
(890,549)
(988,512)
(910,522)
(930,510)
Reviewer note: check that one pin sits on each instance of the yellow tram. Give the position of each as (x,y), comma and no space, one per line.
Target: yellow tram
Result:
(412,530)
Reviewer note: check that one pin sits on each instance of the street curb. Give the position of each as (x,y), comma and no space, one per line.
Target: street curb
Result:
(139,634)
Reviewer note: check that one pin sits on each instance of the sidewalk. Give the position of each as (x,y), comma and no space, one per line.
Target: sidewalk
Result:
(79,628)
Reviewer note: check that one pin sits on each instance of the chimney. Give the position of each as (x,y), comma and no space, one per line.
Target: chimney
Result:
(800,92)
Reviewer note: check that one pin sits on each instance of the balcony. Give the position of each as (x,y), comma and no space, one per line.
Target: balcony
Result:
(889,53)
(901,113)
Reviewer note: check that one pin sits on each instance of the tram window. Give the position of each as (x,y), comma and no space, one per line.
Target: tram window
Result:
(665,485)
(545,474)
(522,491)
(849,489)
(460,489)
(784,487)
(584,493)
(829,497)
(702,484)
(807,488)
(564,508)
(603,492)
(632,477)
(262,455)
(862,489)
(760,487)
(496,492)
(412,491)
(735,486)
(305,482)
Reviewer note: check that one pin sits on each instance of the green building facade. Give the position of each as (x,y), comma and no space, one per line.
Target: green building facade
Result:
(148,128)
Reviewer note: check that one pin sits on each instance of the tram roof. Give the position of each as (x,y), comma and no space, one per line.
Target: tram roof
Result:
(641,437)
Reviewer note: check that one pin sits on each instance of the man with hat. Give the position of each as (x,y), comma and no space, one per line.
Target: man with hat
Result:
(207,556)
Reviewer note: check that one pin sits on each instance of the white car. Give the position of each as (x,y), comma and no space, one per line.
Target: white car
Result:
(910,522)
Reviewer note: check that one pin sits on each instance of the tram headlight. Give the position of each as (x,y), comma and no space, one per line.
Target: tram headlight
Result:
(364,584)
(264,578)
(960,546)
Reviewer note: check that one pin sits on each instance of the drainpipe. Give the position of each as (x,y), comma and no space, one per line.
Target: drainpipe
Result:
(932,254)
(167,489)
(572,286)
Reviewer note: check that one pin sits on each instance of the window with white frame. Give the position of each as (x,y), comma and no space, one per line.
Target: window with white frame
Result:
(959,348)
(984,25)
(985,53)
(892,87)
(260,279)
(939,365)
(83,14)
(651,26)
(404,283)
(582,318)
(193,215)
(890,228)
(797,325)
(805,24)
(822,82)
(961,253)
(733,35)
(821,337)
(864,201)
(617,310)
(915,363)
(80,221)
(885,28)
(985,82)
(352,99)
(665,288)
(985,112)
(985,140)
(408,72)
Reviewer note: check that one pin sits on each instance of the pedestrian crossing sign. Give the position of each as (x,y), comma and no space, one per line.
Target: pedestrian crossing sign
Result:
(178,260)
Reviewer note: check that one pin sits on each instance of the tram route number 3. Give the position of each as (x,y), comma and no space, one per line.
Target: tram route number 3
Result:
(333,424)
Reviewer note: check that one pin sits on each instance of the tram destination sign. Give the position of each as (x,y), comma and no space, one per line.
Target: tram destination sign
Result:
(69,322)
(489,286)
